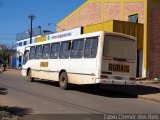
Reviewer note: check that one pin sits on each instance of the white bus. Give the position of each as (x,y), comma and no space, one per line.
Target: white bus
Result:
(94,58)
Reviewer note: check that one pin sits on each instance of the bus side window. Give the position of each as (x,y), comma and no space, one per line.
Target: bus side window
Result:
(46,50)
(91,47)
(38,53)
(32,53)
(65,50)
(54,50)
(77,48)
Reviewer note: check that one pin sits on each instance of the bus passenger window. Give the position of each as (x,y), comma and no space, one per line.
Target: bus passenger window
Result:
(54,50)
(32,52)
(77,48)
(38,52)
(46,49)
(65,50)
(91,47)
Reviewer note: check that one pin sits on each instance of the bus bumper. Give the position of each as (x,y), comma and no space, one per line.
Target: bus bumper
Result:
(24,72)
(115,82)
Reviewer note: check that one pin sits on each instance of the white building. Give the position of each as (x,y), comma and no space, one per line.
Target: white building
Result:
(23,39)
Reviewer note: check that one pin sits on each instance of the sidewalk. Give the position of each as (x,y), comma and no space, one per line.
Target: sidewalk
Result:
(11,71)
(149,90)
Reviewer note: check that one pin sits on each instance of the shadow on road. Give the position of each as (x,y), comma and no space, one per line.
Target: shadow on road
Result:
(144,90)
(106,91)
(3,91)
(16,110)
(114,91)
(13,110)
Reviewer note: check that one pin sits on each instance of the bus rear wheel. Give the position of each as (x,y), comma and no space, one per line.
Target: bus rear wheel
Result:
(63,81)
(30,78)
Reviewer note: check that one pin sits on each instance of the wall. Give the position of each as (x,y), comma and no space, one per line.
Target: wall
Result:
(12,62)
(104,26)
(134,8)
(112,11)
(96,11)
(90,14)
(154,39)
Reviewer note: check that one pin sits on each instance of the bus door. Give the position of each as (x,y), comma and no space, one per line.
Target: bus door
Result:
(90,60)
(76,58)
(44,61)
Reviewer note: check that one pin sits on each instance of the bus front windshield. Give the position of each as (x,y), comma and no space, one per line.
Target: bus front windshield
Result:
(119,47)
(26,57)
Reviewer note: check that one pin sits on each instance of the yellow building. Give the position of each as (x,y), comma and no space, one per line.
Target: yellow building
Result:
(116,16)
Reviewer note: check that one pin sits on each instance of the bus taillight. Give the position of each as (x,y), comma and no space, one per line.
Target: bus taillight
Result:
(132,78)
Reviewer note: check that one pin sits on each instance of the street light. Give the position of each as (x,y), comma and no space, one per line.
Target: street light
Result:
(31,17)
(56,26)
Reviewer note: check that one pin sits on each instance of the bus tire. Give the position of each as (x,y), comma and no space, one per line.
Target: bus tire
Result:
(29,74)
(63,81)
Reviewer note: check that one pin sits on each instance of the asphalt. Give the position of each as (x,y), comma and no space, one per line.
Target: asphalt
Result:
(22,97)
(146,89)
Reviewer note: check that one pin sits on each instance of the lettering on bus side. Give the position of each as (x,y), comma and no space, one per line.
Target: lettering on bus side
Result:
(118,68)
(44,64)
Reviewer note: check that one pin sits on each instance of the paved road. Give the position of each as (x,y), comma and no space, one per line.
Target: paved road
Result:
(47,98)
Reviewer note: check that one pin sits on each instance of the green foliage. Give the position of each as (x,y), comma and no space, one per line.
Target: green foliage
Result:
(5,53)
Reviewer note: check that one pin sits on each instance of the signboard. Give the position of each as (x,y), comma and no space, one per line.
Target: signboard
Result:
(40,39)
(44,64)
(67,33)
(119,68)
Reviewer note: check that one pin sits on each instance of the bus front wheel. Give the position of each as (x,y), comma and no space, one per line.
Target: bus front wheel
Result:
(63,80)
(30,78)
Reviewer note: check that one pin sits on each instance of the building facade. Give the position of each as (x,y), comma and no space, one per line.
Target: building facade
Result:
(20,49)
(24,39)
(145,12)
(12,58)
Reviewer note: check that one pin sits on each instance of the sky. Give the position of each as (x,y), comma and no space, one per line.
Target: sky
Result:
(14,15)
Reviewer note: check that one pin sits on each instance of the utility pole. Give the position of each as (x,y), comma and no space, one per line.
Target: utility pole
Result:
(31,17)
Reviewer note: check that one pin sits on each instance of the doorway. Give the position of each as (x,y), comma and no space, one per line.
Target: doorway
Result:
(139,62)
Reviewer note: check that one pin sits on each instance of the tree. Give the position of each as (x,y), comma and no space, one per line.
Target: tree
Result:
(5,51)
